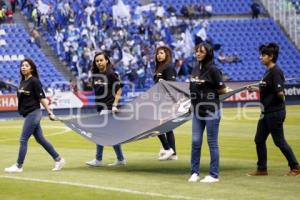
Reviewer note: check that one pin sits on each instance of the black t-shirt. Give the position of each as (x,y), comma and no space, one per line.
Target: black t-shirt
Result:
(274,79)
(168,74)
(30,93)
(105,87)
(204,96)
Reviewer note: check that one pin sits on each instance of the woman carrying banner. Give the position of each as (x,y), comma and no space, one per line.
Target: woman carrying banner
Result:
(164,70)
(30,96)
(206,85)
(107,88)
(272,117)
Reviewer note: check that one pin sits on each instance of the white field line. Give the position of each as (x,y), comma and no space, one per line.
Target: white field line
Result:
(66,129)
(114,189)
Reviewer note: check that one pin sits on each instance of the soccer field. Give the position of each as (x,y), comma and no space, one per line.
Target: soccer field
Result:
(144,176)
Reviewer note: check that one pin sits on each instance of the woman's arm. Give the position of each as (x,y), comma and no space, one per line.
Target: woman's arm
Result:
(281,95)
(44,102)
(116,101)
(253,88)
(224,90)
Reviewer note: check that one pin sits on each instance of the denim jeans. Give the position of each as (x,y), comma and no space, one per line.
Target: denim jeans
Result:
(168,141)
(32,126)
(117,148)
(273,123)
(212,128)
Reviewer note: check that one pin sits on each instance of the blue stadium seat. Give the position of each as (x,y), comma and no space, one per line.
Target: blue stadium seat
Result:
(17,38)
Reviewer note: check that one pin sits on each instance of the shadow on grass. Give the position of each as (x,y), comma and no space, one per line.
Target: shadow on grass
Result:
(166,168)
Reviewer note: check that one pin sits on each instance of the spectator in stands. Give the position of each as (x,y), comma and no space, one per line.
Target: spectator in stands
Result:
(209,10)
(181,67)
(35,37)
(29,8)
(160,10)
(2,84)
(131,74)
(141,73)
(30,96)
(9,16)
(171,10)
(73,85)
(228,59)
(2,87)
(192,10)
(164,70)
(9,88)
(201,35)
(2,14)
(22,4)
(59,40)
(36,16)
(13,5)
(184,11)
(2,3)
(273,113)
(206,85)
(107,88)
(255,9)
(188,11)
(204,10)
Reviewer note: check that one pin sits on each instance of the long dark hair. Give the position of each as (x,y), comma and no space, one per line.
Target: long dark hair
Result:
(160,66)
(209,57)
(34,71)
(95,69)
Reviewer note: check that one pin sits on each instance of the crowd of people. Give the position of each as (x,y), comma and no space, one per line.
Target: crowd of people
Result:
(130,37)
(7,9)
(80,28)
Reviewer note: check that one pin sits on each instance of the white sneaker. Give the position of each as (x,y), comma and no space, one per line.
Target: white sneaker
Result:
(209,179)
(95,163)
(118,162)
(173,157)
(167,155)
(59,165)
(161,153)
(13,169)
(194,178)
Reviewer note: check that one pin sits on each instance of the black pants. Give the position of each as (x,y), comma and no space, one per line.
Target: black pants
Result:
(273,123)
(168,141)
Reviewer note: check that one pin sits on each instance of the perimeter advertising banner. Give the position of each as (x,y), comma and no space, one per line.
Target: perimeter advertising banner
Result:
(58,100)
(292,92)
(61,100)
(243,96)
(8,102)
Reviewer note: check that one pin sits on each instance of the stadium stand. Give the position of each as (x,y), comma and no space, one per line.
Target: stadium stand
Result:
(296,3)
(219,7)
(18,45)
(243,37)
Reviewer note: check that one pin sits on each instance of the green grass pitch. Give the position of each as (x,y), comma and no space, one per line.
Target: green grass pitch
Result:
(145,177)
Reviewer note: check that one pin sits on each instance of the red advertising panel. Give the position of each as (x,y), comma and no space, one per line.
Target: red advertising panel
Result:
(8,102)
(244,96)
